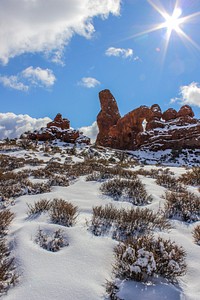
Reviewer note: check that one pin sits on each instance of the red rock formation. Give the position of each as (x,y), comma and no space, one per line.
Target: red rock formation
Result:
(185,111)
(169,114)
(59,122)
(168,130)
(107,117)
(59,128)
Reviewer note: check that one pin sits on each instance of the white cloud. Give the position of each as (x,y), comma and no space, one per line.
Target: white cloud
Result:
(47,26)
(90,131)
(13,82)
(29,77)
(190,94)
(125,53)
(89,82)
(12,125)
(37,76)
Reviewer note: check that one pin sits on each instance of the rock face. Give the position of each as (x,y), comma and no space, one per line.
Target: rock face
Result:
(146,127)
(59,128)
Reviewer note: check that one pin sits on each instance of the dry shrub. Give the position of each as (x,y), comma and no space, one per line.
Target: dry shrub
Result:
(39,207)
(53,242)
(191,177)
(59,180)
(42,173)
(6,217)
(34,161)
(123,224)
(16,184)
(108,173)
(112,289)
(184,206)
(98,176)
(153,173)
(196,234)
(63,212)
(8,277)
(9,163)
(136,222)
(103,219)
(170,183)
(131,190)
(146,257)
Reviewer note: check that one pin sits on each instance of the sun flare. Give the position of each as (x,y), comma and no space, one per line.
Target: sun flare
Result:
(173,21)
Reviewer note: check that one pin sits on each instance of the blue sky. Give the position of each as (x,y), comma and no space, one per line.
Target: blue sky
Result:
(55,56)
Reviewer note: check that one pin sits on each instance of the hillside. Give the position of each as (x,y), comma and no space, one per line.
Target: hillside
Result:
(85,257)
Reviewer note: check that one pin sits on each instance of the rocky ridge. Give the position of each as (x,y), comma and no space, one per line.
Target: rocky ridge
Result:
(60,129)
(146,127)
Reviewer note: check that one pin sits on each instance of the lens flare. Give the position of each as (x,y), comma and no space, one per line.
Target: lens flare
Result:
(172,23)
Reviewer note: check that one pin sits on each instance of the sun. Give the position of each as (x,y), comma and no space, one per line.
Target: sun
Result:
(173,22)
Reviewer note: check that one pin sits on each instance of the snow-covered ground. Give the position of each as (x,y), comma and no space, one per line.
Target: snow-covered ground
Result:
(79,271)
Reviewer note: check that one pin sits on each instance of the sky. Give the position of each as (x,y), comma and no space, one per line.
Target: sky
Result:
(57,55)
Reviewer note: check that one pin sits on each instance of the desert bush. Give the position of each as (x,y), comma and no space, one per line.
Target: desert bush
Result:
(154,173)
(17,184)
(59,180)
(113,188)
(191,177)
(98,176)
(9,163)
(184,206)
(103,219)
(6,217)
(146,257)
(63,212)
(42,173)
(131,190)
(196,234)
(39,207)
(170,183)
(123,224)
(34,161)
(38,188)
(136,222)
(8,276)
(112,289)
(53,242)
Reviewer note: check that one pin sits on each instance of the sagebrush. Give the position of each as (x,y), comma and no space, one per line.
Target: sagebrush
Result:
(63,212)
(184,206)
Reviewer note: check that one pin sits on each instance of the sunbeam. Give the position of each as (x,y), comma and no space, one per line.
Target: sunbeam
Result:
(172,22)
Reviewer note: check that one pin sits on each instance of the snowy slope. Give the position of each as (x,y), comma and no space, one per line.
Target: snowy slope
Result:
(80,270)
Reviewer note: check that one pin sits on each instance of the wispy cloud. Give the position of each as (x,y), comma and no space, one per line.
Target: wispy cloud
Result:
(28,78)
(38,76)
(189,94)
(120,52)
(90,131)
(89,82)
(13,82)
(47,26)
(12,125)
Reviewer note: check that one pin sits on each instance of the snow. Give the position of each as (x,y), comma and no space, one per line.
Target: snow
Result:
(79,271)
(163,290)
